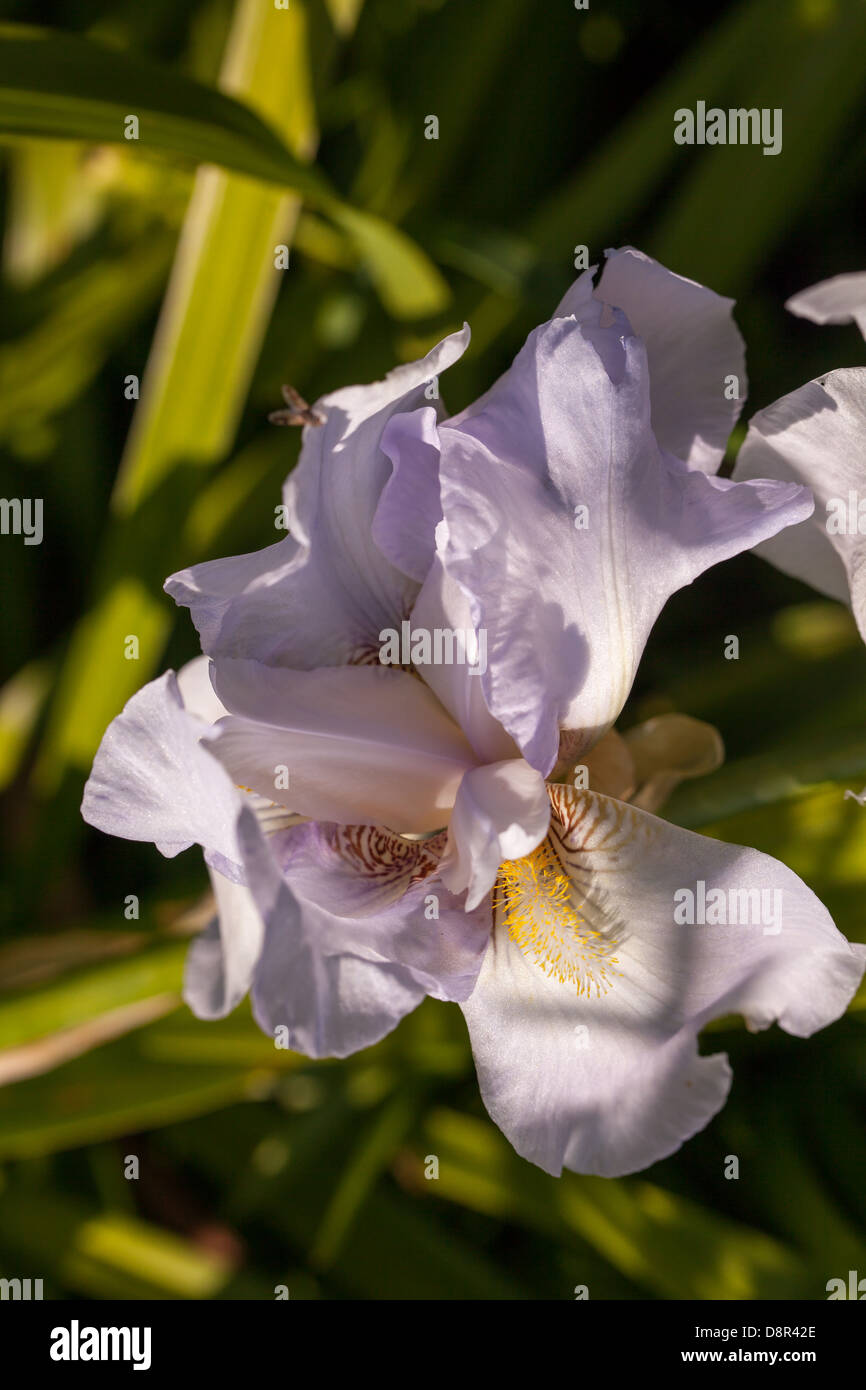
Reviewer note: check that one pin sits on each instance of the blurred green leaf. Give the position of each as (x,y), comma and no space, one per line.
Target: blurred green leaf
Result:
(608,191)
(769,778)
(45,367)
(375,1150)
(225,278)
(822,837)
(406,280)
(61,85)
(662,1241)
(82,995)
(221,294)
(344,14)
(50,206)
(21,699)
(816,49)
(104,1255)
(114,1090)
(97,679)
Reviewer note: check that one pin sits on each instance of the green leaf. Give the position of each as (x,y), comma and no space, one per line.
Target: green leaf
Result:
(223,286)
(404,277)
(21,699)
(770,778)
(344,14)
(96,679)
(374,1152)
(115,1090)
(816,49)
(68,87)
(612,186)
(662,1241)
(822,837)
(47,367)
(81,995)
(50,207)
(225,279)
(283,1167)
(106,1255)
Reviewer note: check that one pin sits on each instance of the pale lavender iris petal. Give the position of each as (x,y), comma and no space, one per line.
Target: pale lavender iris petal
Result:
(331,998)
(354,870)
(331,1003)
(577,304)
(694,349)
(357,744)
(502,811)
(839,300)
(383,897)
(197,692)
(219,592)
(569,530)
(322,595)
(152,779)
(443,607)
(577,300)
(610,1082)
(409,508)
(221,961)
(817,436)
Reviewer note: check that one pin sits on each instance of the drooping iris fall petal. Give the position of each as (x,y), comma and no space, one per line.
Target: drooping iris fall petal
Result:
(585,1018)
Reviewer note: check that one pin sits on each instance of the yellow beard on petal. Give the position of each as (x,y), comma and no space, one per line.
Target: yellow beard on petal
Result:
(534,899)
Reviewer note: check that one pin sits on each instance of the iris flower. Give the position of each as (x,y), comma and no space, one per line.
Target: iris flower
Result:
(817,435)
(476,830)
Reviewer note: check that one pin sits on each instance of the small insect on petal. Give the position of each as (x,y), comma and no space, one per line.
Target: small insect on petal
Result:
(298,413)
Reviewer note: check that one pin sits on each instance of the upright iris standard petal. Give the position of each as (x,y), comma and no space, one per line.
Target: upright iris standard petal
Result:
(568,529)
(696,354)
(817,436)
(839,300)
(613,947)
(404,527)
(358,744)
(215,591)
(443,606)
(321,596)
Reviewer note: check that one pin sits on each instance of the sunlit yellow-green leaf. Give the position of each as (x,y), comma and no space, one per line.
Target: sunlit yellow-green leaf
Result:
(50,206)
(226,274)
(662,1241)
(79,995)
(406,280)
(61,85)
(21,699)
(344,14)
(109,1255)
(98,676)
